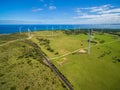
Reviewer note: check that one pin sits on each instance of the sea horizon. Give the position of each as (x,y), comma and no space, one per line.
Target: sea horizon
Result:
(14,28)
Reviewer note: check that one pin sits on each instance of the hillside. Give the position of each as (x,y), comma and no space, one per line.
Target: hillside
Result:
(22,68)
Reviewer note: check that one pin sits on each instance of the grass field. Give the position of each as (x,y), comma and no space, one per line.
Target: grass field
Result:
(10,37)
(21,68)
(100,70)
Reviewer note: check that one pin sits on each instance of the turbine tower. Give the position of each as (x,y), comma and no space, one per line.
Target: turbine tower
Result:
(52,30)
(20,29)
(28,32)
(34,29)
(89,41)
(20,32)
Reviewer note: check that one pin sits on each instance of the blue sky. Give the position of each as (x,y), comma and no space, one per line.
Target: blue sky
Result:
(59,11)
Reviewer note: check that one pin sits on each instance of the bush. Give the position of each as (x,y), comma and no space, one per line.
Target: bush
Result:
(49,49)
(56,53)
(27,88)
(13,88)
(102,41)
(3,83)
(1,75)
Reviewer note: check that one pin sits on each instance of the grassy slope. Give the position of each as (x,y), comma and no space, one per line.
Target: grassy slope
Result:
(20,69)
(9,37)
(61,43)
(88,72)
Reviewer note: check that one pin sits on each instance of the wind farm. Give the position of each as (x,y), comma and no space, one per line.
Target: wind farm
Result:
(59,45)
(91,54)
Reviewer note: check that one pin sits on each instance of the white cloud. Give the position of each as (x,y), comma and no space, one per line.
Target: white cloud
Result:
(36,9)
(87,16)
(52,7)
(116,10)
(99,19)
(101,8)
(96,9)
(104,16)
(100,14)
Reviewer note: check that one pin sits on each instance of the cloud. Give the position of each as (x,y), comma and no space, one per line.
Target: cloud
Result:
(52,7)
(96,9)
(18,22)
(102,16)
(99,14)
(101,8)
(116,10)
(36,9)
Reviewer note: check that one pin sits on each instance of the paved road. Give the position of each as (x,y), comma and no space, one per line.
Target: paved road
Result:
(65,81)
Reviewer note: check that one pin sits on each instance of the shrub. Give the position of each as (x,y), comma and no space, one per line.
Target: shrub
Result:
(56,53)
(27,87)
(13,88)
(102,41)
(3,83)
(49,49)
(1,75)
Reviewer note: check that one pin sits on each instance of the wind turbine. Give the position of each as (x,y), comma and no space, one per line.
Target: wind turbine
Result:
(52,30)
(34,29)
(20,29)
(28,32)
(89,41)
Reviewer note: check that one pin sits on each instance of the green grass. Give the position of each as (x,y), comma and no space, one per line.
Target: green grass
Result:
(88,72)
(98,71)
(61,42)
(10,37)
(21,68)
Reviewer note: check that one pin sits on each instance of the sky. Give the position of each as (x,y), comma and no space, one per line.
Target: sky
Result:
(60,12)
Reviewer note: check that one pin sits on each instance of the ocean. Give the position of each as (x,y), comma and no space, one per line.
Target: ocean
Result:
(7,29)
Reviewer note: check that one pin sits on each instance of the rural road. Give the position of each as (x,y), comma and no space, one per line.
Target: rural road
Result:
(65,81)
